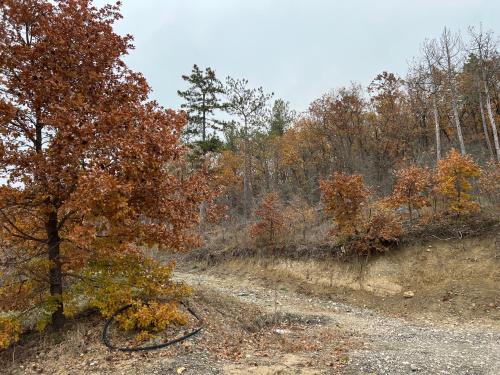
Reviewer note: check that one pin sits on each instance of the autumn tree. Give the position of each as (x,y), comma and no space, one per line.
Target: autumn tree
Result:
(410,189)
(270,222)
(249,106)
(454,177)
(299,216)
(344,196)
(392,133)
(93,169)
(378,233)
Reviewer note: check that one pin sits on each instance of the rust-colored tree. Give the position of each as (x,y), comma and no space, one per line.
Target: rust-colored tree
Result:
(454,178)
(270,224)
(93,170)
(299,217)
(344,196)
(410,189)
(378,233)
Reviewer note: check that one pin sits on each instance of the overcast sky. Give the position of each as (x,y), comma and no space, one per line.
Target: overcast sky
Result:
(297,49)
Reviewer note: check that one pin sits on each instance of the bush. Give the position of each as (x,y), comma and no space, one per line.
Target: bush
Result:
(454,178)
(410,190)
(382,231)
(270,222)
(344,196)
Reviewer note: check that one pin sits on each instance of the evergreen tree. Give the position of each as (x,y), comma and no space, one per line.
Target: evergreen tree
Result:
(202,101)
(281,117)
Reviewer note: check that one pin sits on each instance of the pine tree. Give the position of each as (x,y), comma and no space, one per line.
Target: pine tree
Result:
(202,100)
(281,117)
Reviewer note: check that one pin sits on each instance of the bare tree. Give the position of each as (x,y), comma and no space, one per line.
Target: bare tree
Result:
(484,46)
(249,105)
(450,49)
(429,72)
(485,126)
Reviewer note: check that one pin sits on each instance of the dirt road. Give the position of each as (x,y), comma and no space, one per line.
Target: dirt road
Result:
(390,345)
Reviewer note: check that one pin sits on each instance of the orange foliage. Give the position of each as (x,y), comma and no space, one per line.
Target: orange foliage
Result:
(411,185)
(270,222)
(344,196)
(94,170)
(217,212)
(379,233)
(229,167)
(299,215)
(454,177)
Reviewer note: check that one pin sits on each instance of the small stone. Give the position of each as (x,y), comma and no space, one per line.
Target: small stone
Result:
(414,367)
(180,370)
(409,294)
(281,331)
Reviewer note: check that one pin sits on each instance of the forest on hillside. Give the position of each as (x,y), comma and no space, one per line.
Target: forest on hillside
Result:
(97,179)
(425,144)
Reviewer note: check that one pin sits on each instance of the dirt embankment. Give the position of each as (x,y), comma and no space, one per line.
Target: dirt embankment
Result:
(455,280)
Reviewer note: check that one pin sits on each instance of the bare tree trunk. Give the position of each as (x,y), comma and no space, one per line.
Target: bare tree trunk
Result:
(55,271)
(437,128)
(485,44)
(246,176)
(492,121)
(203,216)
(448,44)
(485,127)
(456,118)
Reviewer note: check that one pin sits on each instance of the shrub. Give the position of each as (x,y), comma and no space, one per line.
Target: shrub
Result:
(381,231)
(10,329)
(411,186)
(344,196)
(454,177)
(300,216)
(270,222)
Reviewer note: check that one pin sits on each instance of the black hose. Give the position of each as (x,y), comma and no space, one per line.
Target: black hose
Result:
(106,341)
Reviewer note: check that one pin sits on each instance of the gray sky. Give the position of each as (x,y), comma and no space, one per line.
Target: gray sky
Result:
(298,49)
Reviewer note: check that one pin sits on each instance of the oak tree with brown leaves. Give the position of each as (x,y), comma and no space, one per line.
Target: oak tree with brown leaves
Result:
(344,196)
(270,221)
(93,169)
(411,186)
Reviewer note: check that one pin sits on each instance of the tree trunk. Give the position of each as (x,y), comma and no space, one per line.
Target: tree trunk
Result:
(456,118)
(437,129)
(246,176)
(454,104)
(203,217)
(492,122)
(204,122)
(485,127)
(55,272)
